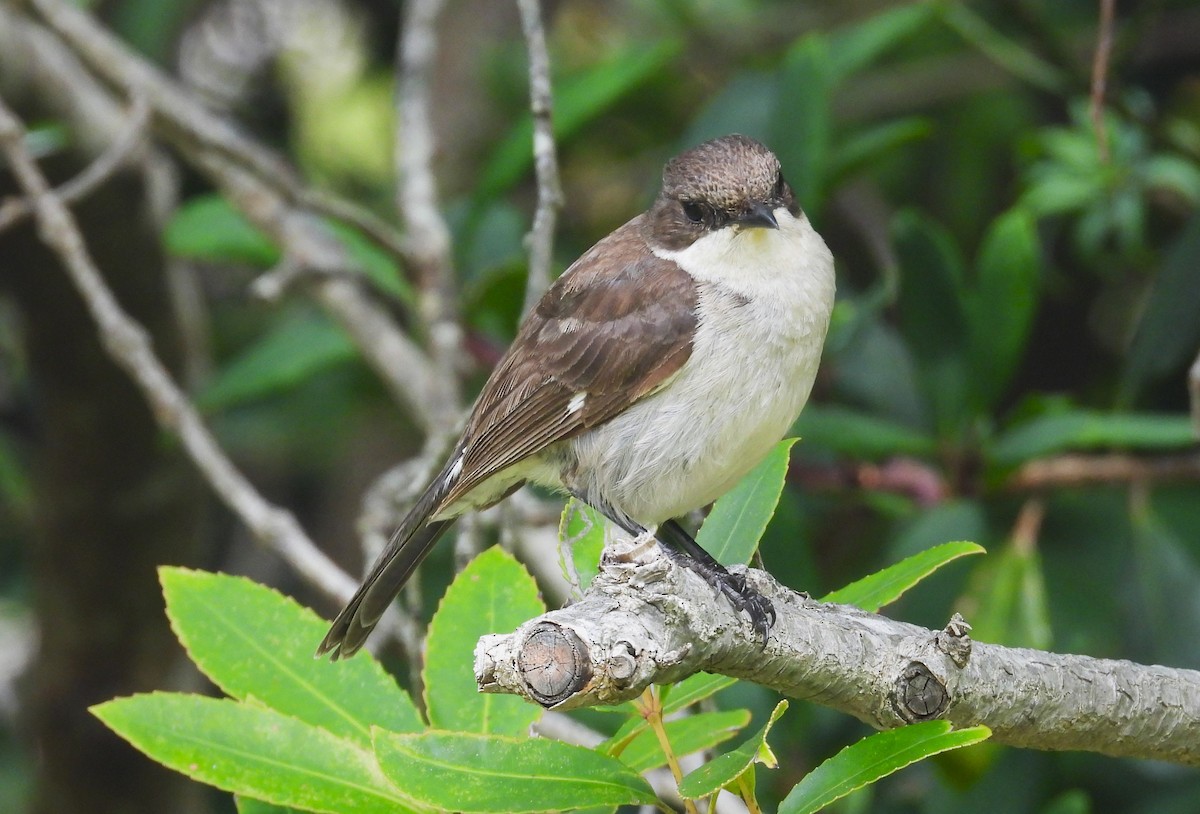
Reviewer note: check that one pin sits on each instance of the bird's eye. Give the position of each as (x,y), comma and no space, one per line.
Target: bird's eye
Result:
(693,211)
(781,186)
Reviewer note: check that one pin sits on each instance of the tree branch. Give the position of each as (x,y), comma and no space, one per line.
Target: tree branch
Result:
(96,173)
(128,345)
(1104,43)
(1083,470)
(402,366)
(417,202)
(540,240)
(267,190)
(647,620)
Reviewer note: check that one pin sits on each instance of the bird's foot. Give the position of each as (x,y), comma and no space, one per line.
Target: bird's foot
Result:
(734,588)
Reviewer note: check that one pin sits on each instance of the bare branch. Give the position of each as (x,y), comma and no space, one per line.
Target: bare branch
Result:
(129,346)
(645,619)
(1104,43)
(913,478)
(399,362)
(417,202)
(96,173)
(326,203)
(267,191)
(174,106)
(1083,470)
(540,240)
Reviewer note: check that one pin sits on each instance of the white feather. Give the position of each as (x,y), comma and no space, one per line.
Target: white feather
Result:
(765,301)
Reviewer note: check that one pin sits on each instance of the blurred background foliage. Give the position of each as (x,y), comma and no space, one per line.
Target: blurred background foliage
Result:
(1014,285)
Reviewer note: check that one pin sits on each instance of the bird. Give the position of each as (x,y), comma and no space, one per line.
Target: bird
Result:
(661,367)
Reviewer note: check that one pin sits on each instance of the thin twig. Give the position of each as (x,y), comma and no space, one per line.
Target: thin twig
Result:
(128,344)
(428,236)
(266,189)
(1028,526)
(326,203)
(179,110)
(399,362)
(174,105)
(94,174)
(1104,43)
(540,240)
(1096,470)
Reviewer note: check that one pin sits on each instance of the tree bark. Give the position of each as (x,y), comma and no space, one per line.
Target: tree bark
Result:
(114,499)
(646,620)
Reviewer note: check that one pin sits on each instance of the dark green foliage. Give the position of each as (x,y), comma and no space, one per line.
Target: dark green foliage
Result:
(1009,292)
(322,736)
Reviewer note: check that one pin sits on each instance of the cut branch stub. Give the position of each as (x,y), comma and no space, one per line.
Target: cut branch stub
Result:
(553,663)
(919,695)
(647,620)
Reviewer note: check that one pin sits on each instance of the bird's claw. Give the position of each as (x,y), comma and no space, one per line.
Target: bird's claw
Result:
(741,596)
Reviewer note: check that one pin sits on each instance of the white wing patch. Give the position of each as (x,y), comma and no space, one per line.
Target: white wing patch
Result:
(456,467)
(576,402)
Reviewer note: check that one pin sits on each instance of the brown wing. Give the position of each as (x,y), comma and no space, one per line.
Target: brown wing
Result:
(613,328)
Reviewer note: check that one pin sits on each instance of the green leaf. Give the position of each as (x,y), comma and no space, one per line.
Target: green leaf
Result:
(208,228)
(1056,191)
(884,587)
(932,316)
(693,689)
(291,352)
(577,100)
(254,751)
(1002,304)
(738,519)
(686,735)
(1008,54)
(1072,801)
(1005,600)
(1167,610)
(724,770)
(581,533)
(801,129)
(493,594)
(377,265)
(856,46)
(1175,173)
(859,149)
(455,771)
(932,284)
(43,140)
(859,435)
(1168,332)
(247,805)
(254,642)
(744,105)
(1089,430)
(15,488)
(872,758)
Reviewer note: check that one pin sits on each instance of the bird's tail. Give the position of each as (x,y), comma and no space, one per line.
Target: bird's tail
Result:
(404,552)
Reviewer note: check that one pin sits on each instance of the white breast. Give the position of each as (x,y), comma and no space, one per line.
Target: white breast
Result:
(765,300)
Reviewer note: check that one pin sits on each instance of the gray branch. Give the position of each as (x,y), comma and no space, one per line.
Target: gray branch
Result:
(266,189)
(96,173)
(647,620)
(540,240)
(417,201)
(128,344)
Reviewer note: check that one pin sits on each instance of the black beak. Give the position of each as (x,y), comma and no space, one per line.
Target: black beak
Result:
(759,214)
